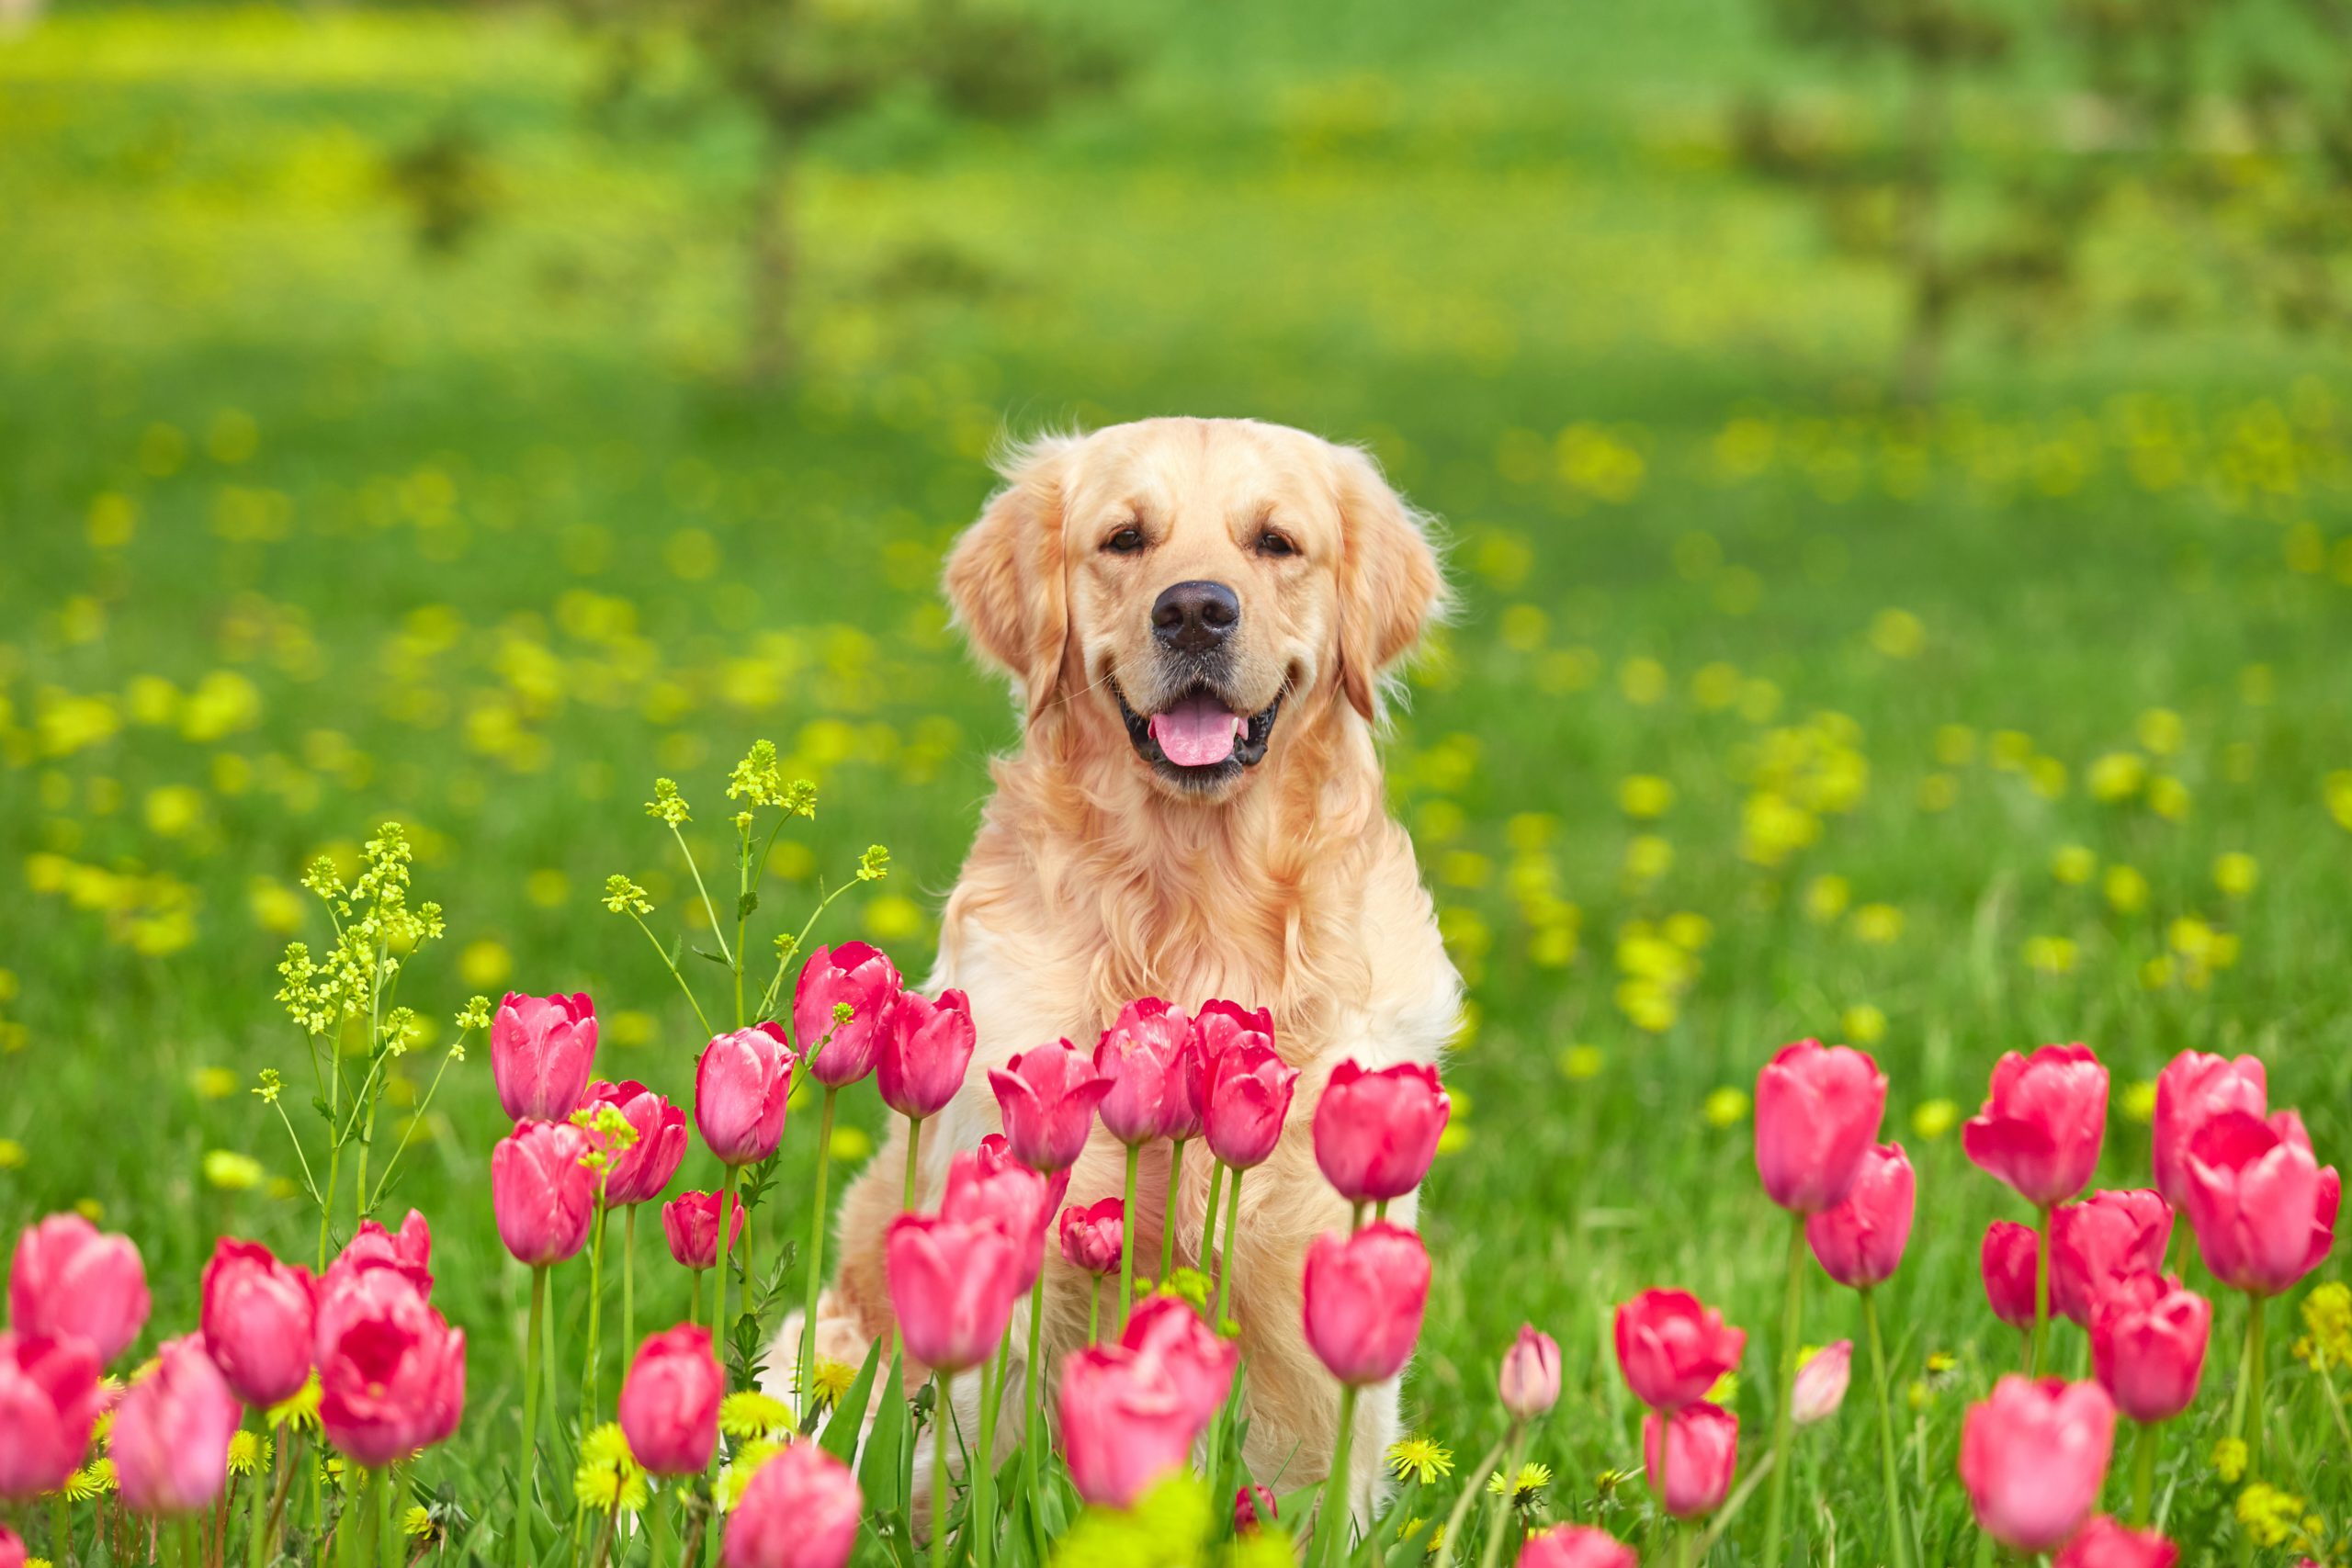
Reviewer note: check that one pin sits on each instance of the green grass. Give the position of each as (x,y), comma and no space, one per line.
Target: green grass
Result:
(490,542)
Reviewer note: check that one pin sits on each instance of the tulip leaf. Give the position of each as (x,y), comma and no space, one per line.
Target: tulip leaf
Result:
(848,1416)
(878,1474)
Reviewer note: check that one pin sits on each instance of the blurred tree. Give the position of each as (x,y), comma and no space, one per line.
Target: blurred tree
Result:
(796,67)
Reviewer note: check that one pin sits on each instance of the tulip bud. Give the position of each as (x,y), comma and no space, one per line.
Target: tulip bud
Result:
(854,975)
(926,1049)
(1219,1026)
(801,1510)
(391,1371)
(2009,1259)
(2262,1207)
(1124,1424)
(1254,1506)
(2148,1340)
(1699,1447)
(1364,1295)
(48,1402)
(1003,1192)
(1821,1383)
(1200,1360)
(741,1085)
(952,1285)
(542,1050)
(1671,1349)
(256,1318)
(371,1243)
(1140,1054)
(2105,1236)
(637,1174)
(669,1406)
(1248,1098)
(690,1222)
(70,1283)
(1576,1546)
(544,1198)
(1048,1097)
(1530,1374)
(1090,1236)
(1376,1132)
(12,1549)
(170,1436)
(1860,1243)
(2191,1090)
(2033,1456)
(1817,1111)
(2103,1543)
(2043,1124)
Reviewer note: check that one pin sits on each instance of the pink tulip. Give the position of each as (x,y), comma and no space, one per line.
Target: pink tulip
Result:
(669,1408)
(1822,1382)
(2103,1543)
(2041,1126)
(1576,1546)
(640,1171)
(2033,1456)
(1219,1026)
(1701,1449)
(1530,1379)
(1817,1110)
(1254,1506)
(690,1221)
(371,1245)
(1376,1132)
(256,1319)
(801,1510)
(391,1371)
(1004,1193)
(1201,1360)
(2106,1235)
(996,1155)
(1671,1349)
(1048,1097)
(1860,1243)
(170,1437)
(1364,1297)
(1141,1054)
(740,1087)
(2262,1207)
(855,976)
(2148,1338)
(1090,1236)
(541,1051)
(925,1052)
(1125,1424)
(1249,1098)
(69,1282)
(543,1197)
(952,1285)
(12,1549)
(49,1400)
(2191,1090)
(2010,1255)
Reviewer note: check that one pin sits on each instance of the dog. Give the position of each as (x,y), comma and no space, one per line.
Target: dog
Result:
(1201,618)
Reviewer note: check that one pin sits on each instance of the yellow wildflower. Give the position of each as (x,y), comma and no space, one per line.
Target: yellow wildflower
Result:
(748,1413)
(2327,1313)
(1727,1107)
(1933,1118)
(1522,1488)
(2229,1458)
(248,1452)
(1424,1458)
(833,1381)
(609,1476)
(2268,1514)
(417,1521)
(299,1409)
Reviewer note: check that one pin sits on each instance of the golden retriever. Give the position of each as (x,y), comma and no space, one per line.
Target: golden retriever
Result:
(1198,616)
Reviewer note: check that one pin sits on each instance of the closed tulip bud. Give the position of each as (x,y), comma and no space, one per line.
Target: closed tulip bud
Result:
(2262,1207)
(2192,1089)
(1254,1506)
(2033,1456)
(1671,1349)
(2103,1543)
(690,1222)
(1700,1450)
(170,1436)
(1219,1026)
(256,1318)
(740,1087)
(952,1286)
(70,1283)
(2008,1259)
(1141,1054)
(1821,1383)
(391,1371)
(1576,1546)
(544,1198)
(1002,1192)
(2043,1124)
(1860,1243)
(371,1245)
(925,1052)
(669,1408)
(1125,1424)
(1376,1132)
(801,1510)
(49,1400)
(1817,1110)
(1248,1098)
(1200,1360)
(857,976)
(1090,1236)
(1048,1097)
(12,1549)
(1364,1299)
(2106,1235)
(542,1050)
(640,1172)
(2148,1339)
(1530,1381)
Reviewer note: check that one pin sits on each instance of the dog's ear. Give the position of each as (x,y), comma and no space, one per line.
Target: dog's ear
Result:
(1004,576)
(1390,587)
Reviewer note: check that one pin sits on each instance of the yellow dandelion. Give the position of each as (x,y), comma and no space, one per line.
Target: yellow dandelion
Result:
(1419,1457)
(94,1480)
(1864,1024)
(833,1381)
(1524,1488)
(299,1409)
(1646,796)
(2140,1102)
(248,1452)
(1934,1118)
(1724,1390)
(2074,864)
(229,1172)
(748,1413)
(2236,874)
(609,1476)
(13,1154)
(1727,1107)
(417,1521)
(741,1468)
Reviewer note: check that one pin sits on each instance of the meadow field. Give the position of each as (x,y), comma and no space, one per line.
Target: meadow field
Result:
(1772,708)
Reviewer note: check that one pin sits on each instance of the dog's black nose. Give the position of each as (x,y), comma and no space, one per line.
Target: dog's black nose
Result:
(1195,616)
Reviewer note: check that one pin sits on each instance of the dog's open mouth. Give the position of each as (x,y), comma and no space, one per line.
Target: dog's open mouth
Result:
(1198,738)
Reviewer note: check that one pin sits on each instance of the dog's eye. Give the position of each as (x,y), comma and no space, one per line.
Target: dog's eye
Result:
(1125,542)
(1272,544)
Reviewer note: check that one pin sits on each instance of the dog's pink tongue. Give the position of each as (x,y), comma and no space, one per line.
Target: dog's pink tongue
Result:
(1195,733)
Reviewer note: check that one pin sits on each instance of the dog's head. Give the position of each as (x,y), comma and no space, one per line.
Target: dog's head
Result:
(1190,580)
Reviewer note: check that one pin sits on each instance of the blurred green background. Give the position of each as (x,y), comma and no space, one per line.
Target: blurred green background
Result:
(1897,481)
